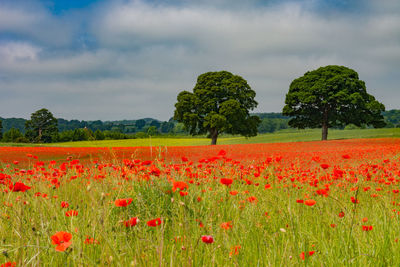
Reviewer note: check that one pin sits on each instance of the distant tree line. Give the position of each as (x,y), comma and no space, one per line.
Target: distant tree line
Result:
(44,128)
(15,130)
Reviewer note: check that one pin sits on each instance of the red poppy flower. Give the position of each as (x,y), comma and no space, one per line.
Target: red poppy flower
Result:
(354,200)
(64,204)
(9,264)
(123,202)
(154,223)
(233,193)
(90,240)
(62,240)
(324,166)
(19,187)
(226,181)
(131,222)
(367,227)
(71,213)
(310,202)
(322,192)
(303,254)
(252,199)
(226,225)
(208,239)
(341,214)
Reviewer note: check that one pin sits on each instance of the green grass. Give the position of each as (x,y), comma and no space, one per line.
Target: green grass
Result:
(290,135)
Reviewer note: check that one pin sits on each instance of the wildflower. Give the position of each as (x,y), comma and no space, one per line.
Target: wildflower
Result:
(252,199)
(367,228)
(303,254)
(64,204)
(9,264)
(354,200)
(123,202)
(226,225)
(226,181)
(208,239)
(233,193)
(19,187)
(322,192)
(179,185)
(310,202)
(62,240)
(90,240)
(235,250)
(154,223)
(71,213)
(341,214)
(131,222)
(324,166)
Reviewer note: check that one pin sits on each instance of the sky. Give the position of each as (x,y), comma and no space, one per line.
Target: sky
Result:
(129,59)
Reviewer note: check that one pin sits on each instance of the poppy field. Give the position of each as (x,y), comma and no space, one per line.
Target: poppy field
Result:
(303,203)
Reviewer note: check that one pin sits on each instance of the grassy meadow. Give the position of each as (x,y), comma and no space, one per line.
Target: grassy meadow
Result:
(290,135)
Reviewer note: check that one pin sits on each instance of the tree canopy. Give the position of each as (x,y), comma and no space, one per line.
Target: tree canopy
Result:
(220,102)
(42,127)
(331,96)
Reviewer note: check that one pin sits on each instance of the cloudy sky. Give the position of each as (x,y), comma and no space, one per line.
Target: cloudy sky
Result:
(123,59)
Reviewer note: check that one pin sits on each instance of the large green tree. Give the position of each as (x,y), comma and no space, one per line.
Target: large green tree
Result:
(42,127)
(331,96)
(220,102)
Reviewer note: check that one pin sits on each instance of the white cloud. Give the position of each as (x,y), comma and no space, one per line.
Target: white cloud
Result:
(16,51)
(36,24)
(146,53)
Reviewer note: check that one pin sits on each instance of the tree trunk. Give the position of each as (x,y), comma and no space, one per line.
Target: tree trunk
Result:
(325,125)
(214,136)
(324,131)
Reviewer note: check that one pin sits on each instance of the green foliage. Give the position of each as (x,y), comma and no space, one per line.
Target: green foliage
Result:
(331,96)
(140,124)
(42,127)
(113,135)
(1,129)
(392,118)
(14,135)
(98,135)
(220,103)
(268,125)
(152,131)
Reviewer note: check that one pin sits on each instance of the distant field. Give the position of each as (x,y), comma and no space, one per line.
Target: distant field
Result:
(277,137)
